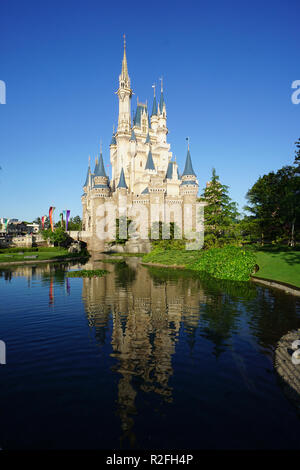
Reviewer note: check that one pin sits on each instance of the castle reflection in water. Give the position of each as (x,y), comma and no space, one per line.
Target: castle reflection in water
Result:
(146,316)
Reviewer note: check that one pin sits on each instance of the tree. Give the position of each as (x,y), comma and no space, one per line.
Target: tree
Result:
(220,214)
(274,202)
(297,156)
(59,237)
(75,223)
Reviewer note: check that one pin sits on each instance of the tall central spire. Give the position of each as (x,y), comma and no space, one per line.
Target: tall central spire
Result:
(124,73)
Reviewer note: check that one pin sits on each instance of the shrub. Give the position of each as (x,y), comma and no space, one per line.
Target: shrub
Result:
(230,262)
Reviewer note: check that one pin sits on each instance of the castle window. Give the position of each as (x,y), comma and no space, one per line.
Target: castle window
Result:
(141,163)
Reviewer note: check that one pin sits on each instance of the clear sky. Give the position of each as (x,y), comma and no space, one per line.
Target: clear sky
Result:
(228,67)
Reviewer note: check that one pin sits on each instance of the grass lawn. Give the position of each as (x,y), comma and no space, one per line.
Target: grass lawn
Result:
(56,252)
(279,264)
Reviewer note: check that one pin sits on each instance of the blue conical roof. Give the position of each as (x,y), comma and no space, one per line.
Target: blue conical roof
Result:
(169,174)
(122,182)
(188,169)
(154,107)
(145,191)
(161,102)
(149,163)
(133,137)
(113,140)
(147,141)
(87,177)
(99,168)
(138,114)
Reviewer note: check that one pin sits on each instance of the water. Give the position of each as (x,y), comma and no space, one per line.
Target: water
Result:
(141,358)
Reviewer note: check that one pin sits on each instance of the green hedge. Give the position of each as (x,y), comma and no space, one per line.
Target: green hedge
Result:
(230,262)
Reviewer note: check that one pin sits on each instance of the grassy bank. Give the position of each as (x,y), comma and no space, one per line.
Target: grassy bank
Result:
(279,264)
(232,263)
(9,255)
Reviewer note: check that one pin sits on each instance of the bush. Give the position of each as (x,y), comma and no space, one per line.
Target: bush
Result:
(230,262)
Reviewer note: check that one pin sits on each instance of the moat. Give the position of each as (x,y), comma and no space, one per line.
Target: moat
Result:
(141,358)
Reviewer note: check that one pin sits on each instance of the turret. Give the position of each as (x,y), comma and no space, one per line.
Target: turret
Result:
(189,183)
(100,177)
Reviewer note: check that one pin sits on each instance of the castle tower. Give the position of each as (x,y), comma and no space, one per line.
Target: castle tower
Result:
(188,190)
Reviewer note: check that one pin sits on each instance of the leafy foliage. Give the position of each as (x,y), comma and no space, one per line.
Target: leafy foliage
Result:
(274,202)
(220,215)
(230,262)
(58,236)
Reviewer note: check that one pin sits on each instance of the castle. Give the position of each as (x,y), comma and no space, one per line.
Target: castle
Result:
(145,178)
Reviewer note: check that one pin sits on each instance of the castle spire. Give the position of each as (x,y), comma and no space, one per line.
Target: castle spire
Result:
(162,103)
(100,169)
(122,182)
(124,93)
(124,72)
(87,180)
(188,169)
(150,163)
(154,106)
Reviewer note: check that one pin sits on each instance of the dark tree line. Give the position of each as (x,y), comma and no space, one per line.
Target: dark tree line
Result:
(274,205)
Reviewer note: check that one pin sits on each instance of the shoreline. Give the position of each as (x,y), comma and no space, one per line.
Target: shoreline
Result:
(288,288)
(14,263)
(160,265)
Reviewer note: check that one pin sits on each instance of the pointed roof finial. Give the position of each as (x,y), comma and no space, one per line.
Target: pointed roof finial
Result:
(153,86)
(161,101)
(124,73)
(113,129)
(161,84)
(124,37)
(100,146)
(188,141)
(89,160)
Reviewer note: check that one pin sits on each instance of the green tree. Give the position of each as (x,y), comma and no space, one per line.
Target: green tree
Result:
(59,237)
(75,223)
(220,214)
(297,156)
(274,202)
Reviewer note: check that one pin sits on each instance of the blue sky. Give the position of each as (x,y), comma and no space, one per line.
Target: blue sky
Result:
(228,67)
